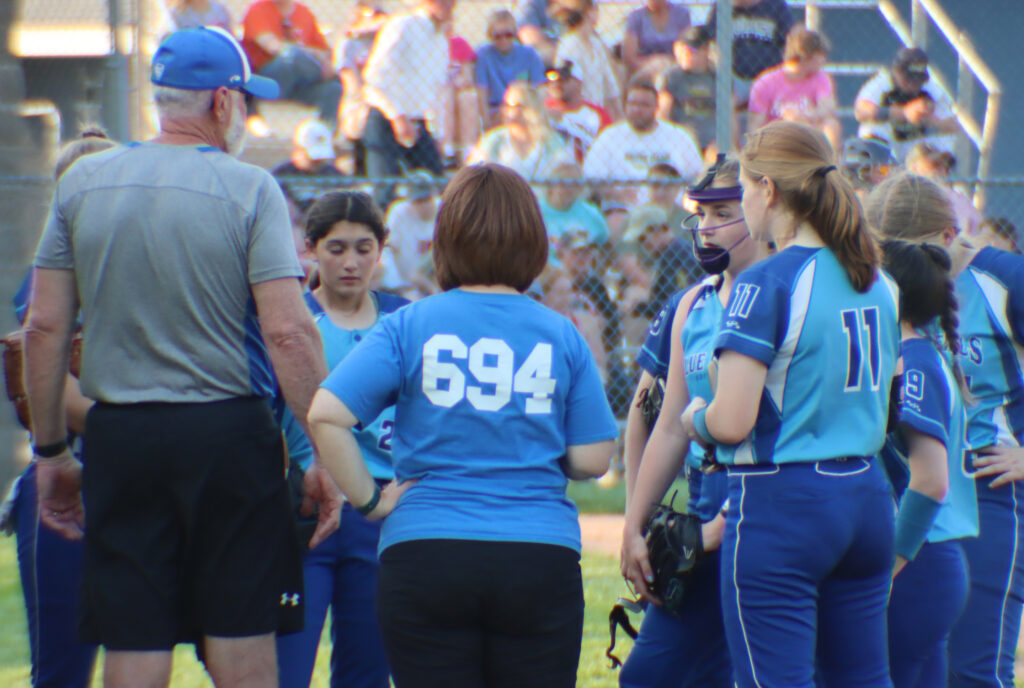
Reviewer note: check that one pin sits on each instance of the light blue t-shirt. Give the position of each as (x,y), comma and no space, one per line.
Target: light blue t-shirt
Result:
(831,353)
(488,390)
(931,404)
(495,71)
(990,292)
(581,216)
(374,439)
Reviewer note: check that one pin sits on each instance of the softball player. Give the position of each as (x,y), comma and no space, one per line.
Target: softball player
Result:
(50,565)
(990,291)
(924,459)
(346,231)
(807,550)
(686,648)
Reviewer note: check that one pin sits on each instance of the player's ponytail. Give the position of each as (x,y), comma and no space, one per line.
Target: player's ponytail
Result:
(799,162)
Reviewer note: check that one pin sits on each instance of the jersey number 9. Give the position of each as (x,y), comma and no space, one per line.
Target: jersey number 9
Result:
(491,363)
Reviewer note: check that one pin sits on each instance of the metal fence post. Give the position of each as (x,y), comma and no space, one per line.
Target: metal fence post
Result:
(115,89)
(723,79)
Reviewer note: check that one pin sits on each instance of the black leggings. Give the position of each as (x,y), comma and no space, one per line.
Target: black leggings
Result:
(465,613)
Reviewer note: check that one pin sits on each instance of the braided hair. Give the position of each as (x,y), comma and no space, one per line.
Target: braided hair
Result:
(927,293)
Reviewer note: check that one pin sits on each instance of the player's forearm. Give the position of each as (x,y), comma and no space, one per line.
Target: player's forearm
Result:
(330,428)
(636,436)
(661,461)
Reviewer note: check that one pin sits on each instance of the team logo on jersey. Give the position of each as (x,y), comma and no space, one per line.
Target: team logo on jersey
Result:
(290,599)
(743,297)
(158,70)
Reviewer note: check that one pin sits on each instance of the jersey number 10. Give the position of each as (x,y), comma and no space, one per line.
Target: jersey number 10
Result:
(862,349)
(491,362)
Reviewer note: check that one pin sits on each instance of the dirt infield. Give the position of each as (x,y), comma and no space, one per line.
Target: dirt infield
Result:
(602,533)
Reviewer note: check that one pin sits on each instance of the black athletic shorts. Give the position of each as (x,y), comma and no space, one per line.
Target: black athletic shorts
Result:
(188,530)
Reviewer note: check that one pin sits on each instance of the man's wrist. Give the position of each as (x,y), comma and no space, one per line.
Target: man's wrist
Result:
(50,451)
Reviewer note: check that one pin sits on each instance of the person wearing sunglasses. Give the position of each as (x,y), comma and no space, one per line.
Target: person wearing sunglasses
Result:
(501,62)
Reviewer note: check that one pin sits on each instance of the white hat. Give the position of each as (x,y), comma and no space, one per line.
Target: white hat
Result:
(314,137)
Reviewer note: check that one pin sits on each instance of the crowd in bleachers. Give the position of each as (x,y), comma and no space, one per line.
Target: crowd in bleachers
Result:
(402,94)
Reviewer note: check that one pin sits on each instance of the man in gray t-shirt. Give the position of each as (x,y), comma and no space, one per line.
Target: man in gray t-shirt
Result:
(171,249)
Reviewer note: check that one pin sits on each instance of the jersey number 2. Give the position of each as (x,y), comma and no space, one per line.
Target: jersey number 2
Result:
(862,348)
(491,362)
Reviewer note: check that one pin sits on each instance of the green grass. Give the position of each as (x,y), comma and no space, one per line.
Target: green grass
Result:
(602,584)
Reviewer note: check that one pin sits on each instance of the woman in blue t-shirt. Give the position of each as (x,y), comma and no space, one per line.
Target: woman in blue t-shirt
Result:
(497,404)
(808,544)
(990,292)
(924,460)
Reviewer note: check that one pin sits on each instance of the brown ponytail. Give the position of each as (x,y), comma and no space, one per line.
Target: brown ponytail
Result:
(799,161)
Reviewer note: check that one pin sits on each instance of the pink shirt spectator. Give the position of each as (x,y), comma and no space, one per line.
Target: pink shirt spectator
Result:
(777,97)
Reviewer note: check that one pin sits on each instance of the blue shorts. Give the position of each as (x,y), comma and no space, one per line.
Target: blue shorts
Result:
(685,649)
(927,597)
(806,567)
(341,573)
(51,579)
(983,642)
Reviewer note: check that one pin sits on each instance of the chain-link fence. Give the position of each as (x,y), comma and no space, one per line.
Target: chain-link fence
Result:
(609,110)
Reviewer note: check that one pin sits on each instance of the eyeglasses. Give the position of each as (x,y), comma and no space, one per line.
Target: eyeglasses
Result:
(498,35)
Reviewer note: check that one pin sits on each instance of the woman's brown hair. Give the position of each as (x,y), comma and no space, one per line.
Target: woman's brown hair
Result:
(489,230)
(909,207)
(800,163)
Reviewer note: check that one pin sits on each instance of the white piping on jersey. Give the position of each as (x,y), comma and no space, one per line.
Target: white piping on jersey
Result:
(799,302)
(1009,582)
(735,582)
(996,297)
(1004,434)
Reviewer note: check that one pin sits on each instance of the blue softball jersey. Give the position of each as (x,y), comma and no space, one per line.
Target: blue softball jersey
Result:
(489,390)
(374,438)
(991,295)
(931,404)
(830,351)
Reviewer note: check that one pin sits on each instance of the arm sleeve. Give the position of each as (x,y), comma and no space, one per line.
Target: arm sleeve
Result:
(368,380)
(588,418)
(925,403)
(756,317)
(55,246)
(271,244)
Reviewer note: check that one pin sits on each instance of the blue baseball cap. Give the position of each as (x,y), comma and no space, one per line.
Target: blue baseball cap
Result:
(206,58)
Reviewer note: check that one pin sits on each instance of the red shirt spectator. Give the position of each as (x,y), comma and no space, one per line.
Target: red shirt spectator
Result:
(264,16)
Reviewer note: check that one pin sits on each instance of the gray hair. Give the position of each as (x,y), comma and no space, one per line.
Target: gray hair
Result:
(180,103)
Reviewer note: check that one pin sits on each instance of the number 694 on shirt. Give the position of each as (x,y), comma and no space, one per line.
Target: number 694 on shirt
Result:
(491,364)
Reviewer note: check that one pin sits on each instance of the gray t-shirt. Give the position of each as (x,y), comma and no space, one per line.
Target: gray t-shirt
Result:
(165,242)
(693,101)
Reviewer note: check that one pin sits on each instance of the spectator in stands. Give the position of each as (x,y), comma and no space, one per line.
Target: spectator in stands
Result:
(560,295)
(460,127)
(406,72)
(998,232)
(937,164)
(900,107)
(577,120)
(411,221)
(501,62)
(312,156)
(565,210)
(675,267)
(582,47)
(526,142)
(629,149)
(538,28)
(616,216)
(666,192)
(350,56)
(651,30)
(188,14)
(798,90)
(759,29)
(283,42)
(867,163)
(579,259)
(686,90)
